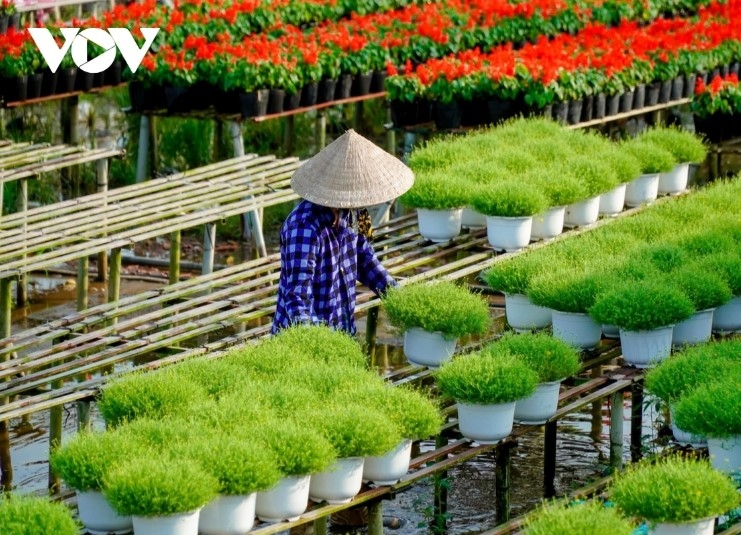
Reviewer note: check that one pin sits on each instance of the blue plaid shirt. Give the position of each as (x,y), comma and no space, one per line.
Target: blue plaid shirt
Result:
(320,265)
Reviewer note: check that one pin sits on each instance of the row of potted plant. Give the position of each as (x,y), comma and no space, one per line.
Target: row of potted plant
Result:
(671,495)
(212,444)
(560,73)
(529,178)
(671,271)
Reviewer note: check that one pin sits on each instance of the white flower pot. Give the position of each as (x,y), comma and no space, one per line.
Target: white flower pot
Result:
(473,220)
(339,483)
(486,424)
(725,453)
(228,515)
(548,224)
(427,349)
(582,213)
(389,468)
(540,406)
(611,331)
(613,202)
(683,437)
(98,517)
(642,190)
(523,315)
(285,501)
(706,526)
(727,318)
(694,330)
(675,181)
(645,348)
(508,233)
(439,225)
(578,330)
(178,524)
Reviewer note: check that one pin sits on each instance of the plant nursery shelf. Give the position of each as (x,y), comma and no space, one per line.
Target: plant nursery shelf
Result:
(632,113)
(57,96)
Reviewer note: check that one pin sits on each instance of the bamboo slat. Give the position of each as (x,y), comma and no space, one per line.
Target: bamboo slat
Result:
(24,160)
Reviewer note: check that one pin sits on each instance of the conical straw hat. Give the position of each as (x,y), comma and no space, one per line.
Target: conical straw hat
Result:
(352,172)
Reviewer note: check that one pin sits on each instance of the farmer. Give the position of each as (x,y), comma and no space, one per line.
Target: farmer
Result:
(325,242)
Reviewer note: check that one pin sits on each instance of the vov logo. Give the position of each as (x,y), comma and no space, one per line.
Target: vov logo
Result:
(108,40)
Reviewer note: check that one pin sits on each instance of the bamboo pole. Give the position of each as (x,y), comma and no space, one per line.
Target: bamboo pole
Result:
(101,174)
(320,526)
(390,132)
(21,295)
(549,460)
(83,282)
(142,170)
(440,482)
(616,430)
(289,135)
(371,326)
(6,466)
(114,279)
(55,440)
(320,130)
(502,482)
(375,518)
(636,421)
(174,271)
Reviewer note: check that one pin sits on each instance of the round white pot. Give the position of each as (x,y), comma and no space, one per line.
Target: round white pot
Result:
(540,406)
(725,453)
(645,348)
(179,524)
(579,330)
(613,202)
(683,437)
(523,315)
(486,424)
(694,330)
(548,224)
(98,517)
(727,318)
(285,501)
(473,220)
(339,483)
(508,233)
(698,527)
(427,349)
(389,468)
(228,515)
(642,190)
(611,331)
(675,181)
(582,213)
(439,225)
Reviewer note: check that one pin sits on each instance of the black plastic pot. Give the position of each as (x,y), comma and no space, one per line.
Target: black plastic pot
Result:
(587,109)
(718,127)
(677,88)
(404,113)
(326,91)
(144,98)
(35,82)
(600,105)
(309,94)
(113,73)
(689,86)
(574,115)
(665,92)
(254,103)
(613,105)
(446,115)
(500,110)
(343,87)
(275,101)
(361,84)
(49,83)
(474,112)
(724,70)
(639,97)
(14,89)
(84,81)
(4,20)
(561,111)
(66,80)
(291,101)
(734,68)
(652,94)
(626,101)
(378,82)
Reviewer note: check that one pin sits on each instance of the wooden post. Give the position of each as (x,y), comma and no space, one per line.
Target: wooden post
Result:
(55,440)
(371,327)
(6,467)
(549,459)
(209,245)
(357,116)
(636,420)
(253,218)
(218,139)
(21,289)
(390,133)
(502,476)
(154,156)
(440,498)
(616,430)
(6,304)
(101,172)
(320,526)
(83,282)
(174,272)
(142,170)
(320,130)
(375,518)
(83,416)
(410,138)
(70,135)
(289,135)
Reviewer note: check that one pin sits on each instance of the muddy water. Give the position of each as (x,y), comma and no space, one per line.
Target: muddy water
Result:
(582,456)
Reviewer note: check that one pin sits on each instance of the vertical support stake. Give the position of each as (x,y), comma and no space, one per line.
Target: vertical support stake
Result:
(289,135)
(440,501)
(371,327)
(142,170)
(636,420)
(549,459)
(209,245)
(375,518)
(320,130)
(83,416)
(390,133)
(253,218)
(616,430)
(83,282)
(101,172)
(320,526)
(502,477)
(21,289)
(174,272)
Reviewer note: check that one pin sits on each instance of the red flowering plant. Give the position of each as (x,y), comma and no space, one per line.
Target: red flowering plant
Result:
(7,8)
(721,95)
(17,56)
(402,87)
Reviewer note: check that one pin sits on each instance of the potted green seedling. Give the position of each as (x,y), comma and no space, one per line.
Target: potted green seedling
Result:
(148,395)
(509,207)
(727,317)
(598,178)
(675,495)
(627,169)
(24,515)
(476,174)
(686,147)
(416,416)
(512,277)
(646,312)
(300,452)
(83,463)
(569,294)
(242,467)
(486,389)
(439,198)
(355,431)
(552,359)
(562,188)
(707,291)
(163,495)
(714,410)
(433,316)
(321,343)
(590,518)
(654,160)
